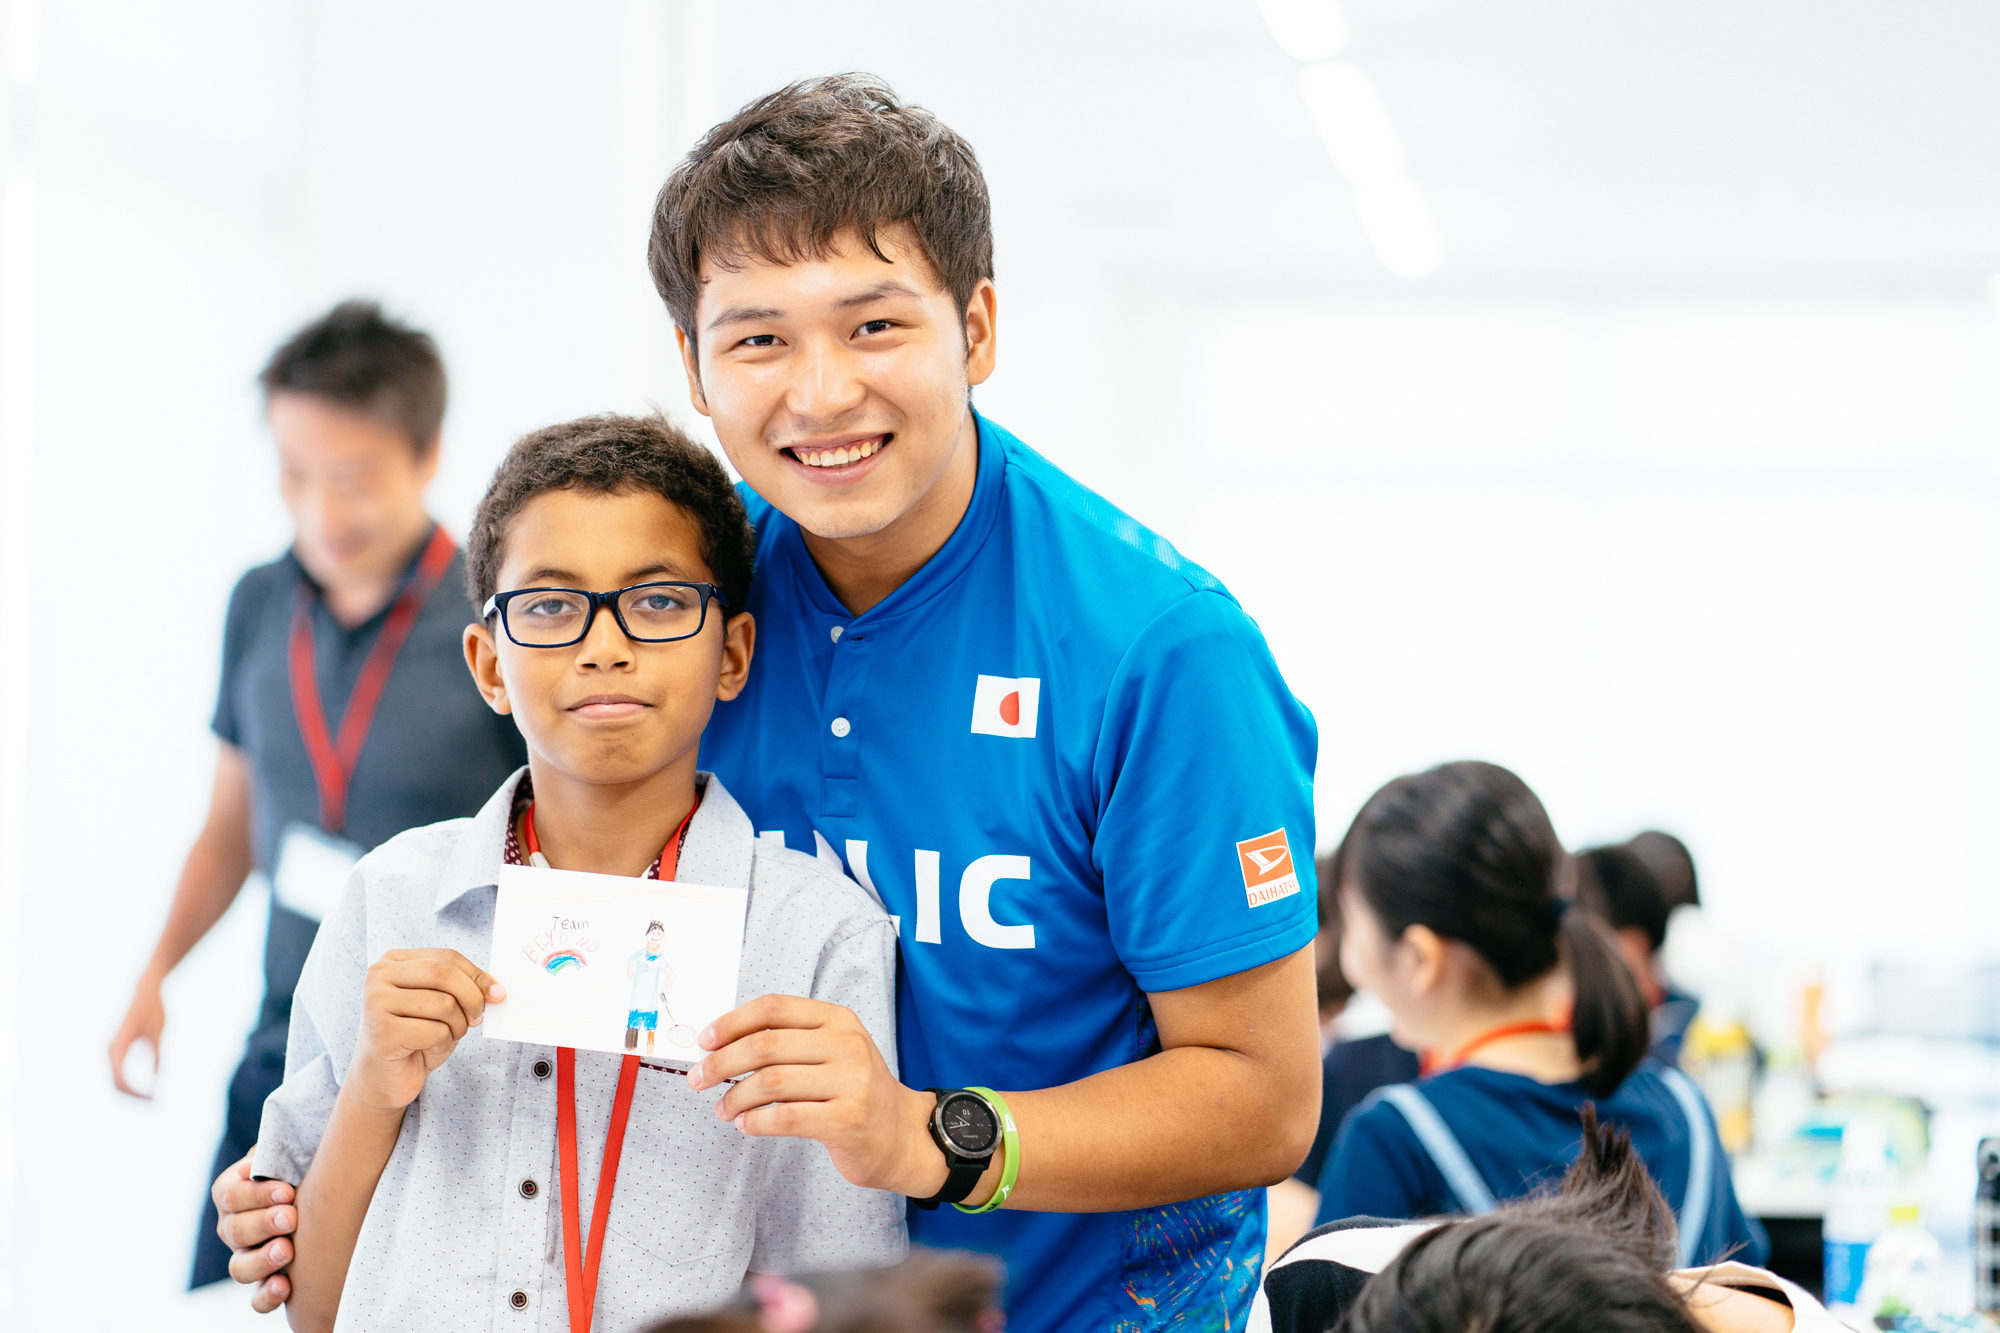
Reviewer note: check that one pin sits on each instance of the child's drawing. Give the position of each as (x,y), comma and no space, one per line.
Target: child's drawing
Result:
(651,980)
(556,935)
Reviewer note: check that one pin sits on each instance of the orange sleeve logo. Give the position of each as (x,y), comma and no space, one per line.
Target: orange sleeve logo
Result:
(1268,872)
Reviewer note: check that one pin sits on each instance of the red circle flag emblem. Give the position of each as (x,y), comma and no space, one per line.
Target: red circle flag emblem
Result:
(1006,706)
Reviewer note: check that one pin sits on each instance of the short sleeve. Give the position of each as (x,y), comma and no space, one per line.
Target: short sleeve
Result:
(1377,1169)
(1203,779)
(811,1219)
(326,1019)
(235,638)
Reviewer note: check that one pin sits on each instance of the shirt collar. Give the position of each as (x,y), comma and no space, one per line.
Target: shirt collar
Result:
(942,569)
(718,849)
(409,573)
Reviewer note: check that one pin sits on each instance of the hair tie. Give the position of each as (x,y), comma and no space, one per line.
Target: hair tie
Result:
(1553,909)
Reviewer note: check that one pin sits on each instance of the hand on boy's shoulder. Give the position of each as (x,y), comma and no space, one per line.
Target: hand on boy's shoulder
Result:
(416,1005)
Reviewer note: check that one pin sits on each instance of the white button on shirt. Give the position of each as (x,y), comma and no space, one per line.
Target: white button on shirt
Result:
(841,726)
(465,1228)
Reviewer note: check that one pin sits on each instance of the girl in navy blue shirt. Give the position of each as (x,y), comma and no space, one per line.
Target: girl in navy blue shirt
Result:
(1450,887)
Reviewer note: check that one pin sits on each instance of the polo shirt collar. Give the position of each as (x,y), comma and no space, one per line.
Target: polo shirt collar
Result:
(937,573)
(409,572)
(718,849)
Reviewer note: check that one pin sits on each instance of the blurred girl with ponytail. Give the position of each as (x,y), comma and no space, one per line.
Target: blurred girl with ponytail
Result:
(1453,890)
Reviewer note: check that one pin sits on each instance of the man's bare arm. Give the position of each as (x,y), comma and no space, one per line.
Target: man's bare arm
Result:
(214,871)
(1230,1102)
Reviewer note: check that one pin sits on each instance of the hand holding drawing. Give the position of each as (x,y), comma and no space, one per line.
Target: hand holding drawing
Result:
(416,1006)
(813,1072)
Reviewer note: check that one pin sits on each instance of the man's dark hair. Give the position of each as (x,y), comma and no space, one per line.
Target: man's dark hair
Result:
(652,926)
(357,357)
(1614,883)
(615,455)
(784,177)
(1591,1258)
(1672,866)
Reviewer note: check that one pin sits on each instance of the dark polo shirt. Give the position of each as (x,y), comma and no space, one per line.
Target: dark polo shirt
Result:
(434,751)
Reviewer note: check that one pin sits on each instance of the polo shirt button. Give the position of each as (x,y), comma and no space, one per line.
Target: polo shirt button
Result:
(541,1069)
(519,1300)
(841,726)
(835,631)
(529,1189)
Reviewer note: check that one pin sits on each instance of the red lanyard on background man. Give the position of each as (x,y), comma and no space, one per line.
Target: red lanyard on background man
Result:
(579,1271)
(333,760)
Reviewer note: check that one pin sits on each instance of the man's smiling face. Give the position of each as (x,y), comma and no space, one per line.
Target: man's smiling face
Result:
(838,385)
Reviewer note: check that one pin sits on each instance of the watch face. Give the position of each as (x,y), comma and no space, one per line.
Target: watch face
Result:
(968,1123)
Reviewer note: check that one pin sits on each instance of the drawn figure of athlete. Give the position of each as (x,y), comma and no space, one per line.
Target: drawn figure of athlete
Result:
(650,978)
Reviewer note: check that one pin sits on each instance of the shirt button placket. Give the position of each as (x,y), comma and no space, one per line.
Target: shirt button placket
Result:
(839,746)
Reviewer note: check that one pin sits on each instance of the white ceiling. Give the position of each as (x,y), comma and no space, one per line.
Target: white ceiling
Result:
(1581,146)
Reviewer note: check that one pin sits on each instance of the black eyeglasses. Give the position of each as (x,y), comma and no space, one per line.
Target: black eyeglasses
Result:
(559,617)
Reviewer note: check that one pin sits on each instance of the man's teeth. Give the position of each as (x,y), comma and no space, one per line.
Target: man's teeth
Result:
(839,456)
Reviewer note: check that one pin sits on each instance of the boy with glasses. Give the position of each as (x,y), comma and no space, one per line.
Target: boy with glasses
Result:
(612,559)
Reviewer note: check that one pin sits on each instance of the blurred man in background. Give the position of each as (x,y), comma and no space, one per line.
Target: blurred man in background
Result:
(1621,885)
(345,713)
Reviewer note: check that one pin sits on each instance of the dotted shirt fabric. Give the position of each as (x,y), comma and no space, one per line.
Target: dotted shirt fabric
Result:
(452,1239)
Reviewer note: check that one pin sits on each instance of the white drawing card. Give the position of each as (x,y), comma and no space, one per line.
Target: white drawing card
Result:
(607,963)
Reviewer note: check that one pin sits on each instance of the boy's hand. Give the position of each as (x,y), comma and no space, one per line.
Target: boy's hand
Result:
(814,1073)
(416,1004)
(255,1220)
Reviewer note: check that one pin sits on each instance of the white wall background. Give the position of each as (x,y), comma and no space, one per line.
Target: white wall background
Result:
(1673,488)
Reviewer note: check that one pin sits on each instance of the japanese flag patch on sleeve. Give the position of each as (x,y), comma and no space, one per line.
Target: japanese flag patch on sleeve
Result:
(1268,872)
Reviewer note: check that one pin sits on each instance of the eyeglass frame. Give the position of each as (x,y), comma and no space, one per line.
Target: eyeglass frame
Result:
(496,605)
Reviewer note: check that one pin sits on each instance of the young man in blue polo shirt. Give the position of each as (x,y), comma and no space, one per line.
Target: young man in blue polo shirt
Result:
(1059,752)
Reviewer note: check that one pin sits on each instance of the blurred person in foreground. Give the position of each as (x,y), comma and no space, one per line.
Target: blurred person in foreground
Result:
(345,714)
(1451,891)
(1351,1067)
(1600,1254)
(1618,885)
(932,1291)
(1060,752)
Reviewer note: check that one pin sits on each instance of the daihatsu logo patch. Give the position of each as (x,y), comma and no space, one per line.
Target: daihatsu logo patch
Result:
(1006,706)
(1268,872)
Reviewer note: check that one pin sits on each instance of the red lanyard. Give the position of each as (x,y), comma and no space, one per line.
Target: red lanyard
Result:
(579,1271)
(1487,1038)
(333,760)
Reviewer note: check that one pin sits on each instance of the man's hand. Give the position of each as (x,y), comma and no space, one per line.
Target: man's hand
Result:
(256,1222)
(147,1018)
(813,1072)
(416,1004)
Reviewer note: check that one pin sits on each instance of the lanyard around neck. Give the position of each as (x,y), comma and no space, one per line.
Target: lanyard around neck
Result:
(1429,1065)
(579,1270)
(333,759)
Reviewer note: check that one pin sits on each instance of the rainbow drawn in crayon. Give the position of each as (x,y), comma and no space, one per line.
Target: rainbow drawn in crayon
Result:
(563,960)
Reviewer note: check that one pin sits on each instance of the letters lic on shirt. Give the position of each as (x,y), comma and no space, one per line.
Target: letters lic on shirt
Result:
(975,891)
(1268,872)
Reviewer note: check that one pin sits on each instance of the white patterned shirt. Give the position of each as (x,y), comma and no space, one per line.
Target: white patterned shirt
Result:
(465,1229)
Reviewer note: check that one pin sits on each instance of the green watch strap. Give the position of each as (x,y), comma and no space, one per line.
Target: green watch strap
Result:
(1010,1148)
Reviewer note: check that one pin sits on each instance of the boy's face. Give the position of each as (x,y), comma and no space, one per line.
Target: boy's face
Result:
(801,365)
(354,486)
(608,710)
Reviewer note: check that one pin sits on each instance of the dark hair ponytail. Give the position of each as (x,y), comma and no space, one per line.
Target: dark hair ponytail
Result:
(1468,851)
(1609,1022)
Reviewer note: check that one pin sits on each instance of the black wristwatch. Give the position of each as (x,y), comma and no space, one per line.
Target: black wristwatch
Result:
(966,1129)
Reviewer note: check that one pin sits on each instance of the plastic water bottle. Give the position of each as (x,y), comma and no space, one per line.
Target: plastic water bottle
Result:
(1986,1230)
(1901,1275)
(1858,1211)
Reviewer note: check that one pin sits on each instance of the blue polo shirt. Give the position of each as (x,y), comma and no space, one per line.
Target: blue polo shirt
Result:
(1062,756)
